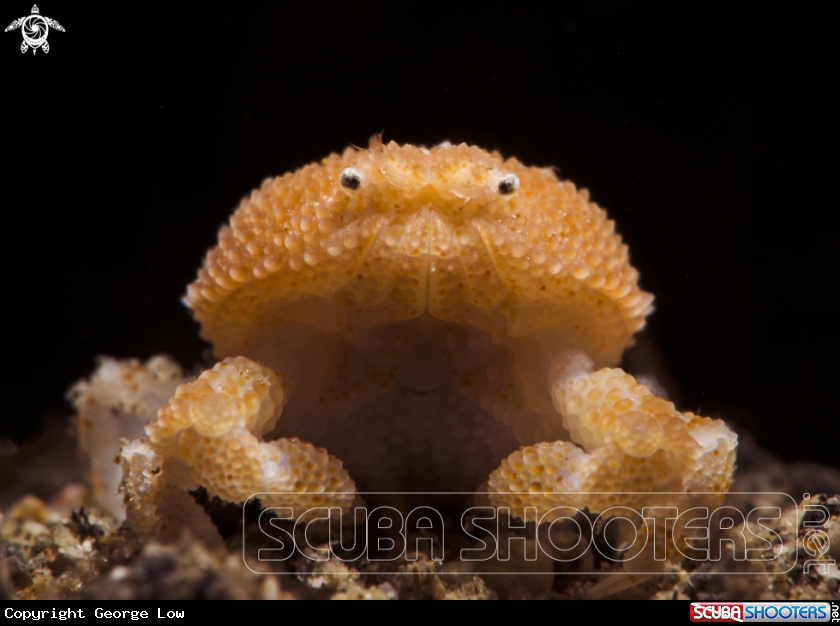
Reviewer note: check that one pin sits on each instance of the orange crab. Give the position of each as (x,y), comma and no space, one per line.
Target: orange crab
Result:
(421,314)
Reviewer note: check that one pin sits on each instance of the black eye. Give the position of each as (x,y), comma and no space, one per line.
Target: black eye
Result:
(350,178)
(508,184)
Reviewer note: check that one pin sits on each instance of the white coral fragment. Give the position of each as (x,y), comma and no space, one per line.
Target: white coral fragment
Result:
(115,403)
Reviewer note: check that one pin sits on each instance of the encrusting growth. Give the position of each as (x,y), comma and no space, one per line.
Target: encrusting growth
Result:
(422,313)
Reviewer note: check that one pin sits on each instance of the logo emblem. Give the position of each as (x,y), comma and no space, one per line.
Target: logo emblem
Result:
(35,28)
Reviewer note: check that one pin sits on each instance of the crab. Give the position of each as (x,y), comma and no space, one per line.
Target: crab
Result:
(399,318)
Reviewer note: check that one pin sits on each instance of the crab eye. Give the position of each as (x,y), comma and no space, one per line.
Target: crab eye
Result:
(350,178)
(508,184)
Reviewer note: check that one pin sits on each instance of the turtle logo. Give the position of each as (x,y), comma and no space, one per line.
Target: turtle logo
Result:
(35,28)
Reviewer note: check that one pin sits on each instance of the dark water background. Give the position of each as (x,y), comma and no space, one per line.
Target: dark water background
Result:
(709,135)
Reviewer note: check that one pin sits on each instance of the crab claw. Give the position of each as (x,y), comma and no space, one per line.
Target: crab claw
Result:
(209,435)
(633,443)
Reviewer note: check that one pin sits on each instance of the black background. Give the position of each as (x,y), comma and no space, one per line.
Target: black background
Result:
(709,135)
